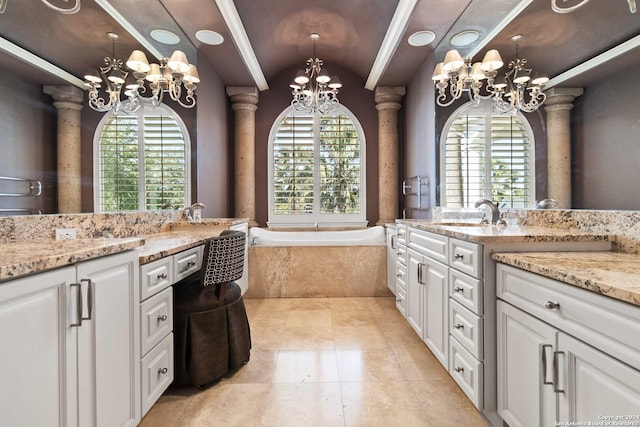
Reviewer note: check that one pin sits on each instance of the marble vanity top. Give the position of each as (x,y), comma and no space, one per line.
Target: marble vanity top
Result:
(614,274)
(22,258)
(509,234)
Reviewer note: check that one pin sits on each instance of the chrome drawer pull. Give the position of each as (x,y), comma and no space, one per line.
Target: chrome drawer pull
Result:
(458,369)
(458,289)
(191,263)
(162,318)
(552,305)
(162,370)
(399,253)
(162,276)
(458,256)
(399,275)
(458,326)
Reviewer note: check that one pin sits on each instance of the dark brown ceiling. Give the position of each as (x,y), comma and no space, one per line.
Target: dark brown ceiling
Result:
(352,32)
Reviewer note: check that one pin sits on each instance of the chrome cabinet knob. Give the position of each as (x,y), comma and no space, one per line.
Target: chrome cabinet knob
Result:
(458,256)
(458,369)
(162,276)
(458,326)
(162,370)
(458,289)
(162,318)
(399,275)
(191,263)
(552,305)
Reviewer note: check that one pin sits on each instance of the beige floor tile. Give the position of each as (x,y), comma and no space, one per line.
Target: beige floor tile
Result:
(259,369)
(310,404)
(167,411)
(446,405)
(418,363)
(299,366)
(266,337)
(368,365)
(308,338)
(313,318)
(312,303)
(383,404)
(359,337)
(220,406)
(352,317)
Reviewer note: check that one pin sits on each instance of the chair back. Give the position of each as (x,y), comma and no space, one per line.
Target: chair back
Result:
(224,258)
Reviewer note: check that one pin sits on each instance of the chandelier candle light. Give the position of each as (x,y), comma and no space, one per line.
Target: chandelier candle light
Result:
(516,90)
(169,76)
(313,89)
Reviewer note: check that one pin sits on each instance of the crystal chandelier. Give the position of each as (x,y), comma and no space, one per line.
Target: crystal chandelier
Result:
(516,90)
(170,76)
(67,8)
(563,8)
(313,89)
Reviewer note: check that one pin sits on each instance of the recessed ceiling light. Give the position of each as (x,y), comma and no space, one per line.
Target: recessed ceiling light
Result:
(209,37)
(465,38)
(164,37)
(421,38)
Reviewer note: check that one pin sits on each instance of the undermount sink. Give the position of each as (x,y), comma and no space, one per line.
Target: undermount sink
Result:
(459,224)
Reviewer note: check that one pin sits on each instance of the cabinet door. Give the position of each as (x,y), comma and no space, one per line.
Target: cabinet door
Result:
(108,344)
(526,396)
(391,259)
(595,385)
(436,308)
(415,289)
(37,360)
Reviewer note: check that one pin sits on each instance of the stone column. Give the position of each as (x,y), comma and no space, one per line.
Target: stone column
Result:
(388,102)
(68,101)
(558,106)
(244,102)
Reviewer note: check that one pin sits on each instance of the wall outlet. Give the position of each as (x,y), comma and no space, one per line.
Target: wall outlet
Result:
(65,233)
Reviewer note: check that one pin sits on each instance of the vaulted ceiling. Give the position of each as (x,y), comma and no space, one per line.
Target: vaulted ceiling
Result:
(262,38)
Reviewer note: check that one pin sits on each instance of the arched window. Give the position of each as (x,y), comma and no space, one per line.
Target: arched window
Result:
(316,170)
(487,155)
(141,161)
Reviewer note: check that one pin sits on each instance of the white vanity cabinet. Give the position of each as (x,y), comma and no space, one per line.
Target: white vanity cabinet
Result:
(156,320)
(69,340)
(565,355)
(428,290)
(400,269)
(392,248)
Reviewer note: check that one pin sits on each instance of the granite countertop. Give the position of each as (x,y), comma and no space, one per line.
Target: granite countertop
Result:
(508,234)
(614,274)
(171,242)
(23,258)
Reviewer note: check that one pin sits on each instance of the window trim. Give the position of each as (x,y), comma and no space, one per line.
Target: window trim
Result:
(485,107)
(147,108)
(322,220)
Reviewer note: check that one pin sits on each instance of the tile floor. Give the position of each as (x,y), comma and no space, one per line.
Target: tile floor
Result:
(325,362)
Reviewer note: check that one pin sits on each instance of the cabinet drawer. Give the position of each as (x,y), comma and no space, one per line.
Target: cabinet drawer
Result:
(187,262)
(156,319)
(401,301)
(603,322)
(466,371)
(401,231)
(466,257)
(466,290)
(401,277)
(401,254)
(430,244)
(466,327)
(157,372)
(155,276)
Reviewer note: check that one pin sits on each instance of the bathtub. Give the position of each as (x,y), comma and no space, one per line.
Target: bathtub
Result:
(364,237)
(298,264)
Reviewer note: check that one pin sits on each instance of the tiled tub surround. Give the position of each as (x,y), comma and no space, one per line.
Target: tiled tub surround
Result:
(317,271)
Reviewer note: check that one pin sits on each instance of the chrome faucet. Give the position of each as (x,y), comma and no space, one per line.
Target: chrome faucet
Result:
(495,212)
(192,213)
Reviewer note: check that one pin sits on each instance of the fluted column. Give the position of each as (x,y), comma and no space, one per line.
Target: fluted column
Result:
(244,102)
(558,107)
(388,102)
(68,101)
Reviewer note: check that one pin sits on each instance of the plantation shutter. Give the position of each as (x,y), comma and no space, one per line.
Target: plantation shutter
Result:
(487,156)
(510,161)
(293,166)
(118,164)
(164,155)
(339,166)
